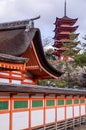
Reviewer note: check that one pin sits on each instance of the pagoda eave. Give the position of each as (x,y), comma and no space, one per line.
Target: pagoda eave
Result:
(66,20)
(64,36)
(66,29)
(57,44)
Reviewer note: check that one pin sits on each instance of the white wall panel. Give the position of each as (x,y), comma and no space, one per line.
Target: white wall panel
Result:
(60,114)
(3,73)
(2,80)
(76,111)
(82,109)
(36,118)
(69,112)
(16,75)
(4,121)
(28,80)
(20,120)
(50,115)
(16,81)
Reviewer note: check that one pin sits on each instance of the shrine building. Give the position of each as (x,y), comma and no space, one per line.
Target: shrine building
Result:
(23,104)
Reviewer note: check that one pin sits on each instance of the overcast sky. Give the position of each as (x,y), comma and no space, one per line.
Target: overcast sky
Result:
(11,10)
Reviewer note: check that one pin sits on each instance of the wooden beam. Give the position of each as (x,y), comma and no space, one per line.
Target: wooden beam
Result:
(33,67)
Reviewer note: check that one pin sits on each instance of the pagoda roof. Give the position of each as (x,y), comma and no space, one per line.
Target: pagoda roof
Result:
(30,89)
(65,20)
(58,44)
(22,41)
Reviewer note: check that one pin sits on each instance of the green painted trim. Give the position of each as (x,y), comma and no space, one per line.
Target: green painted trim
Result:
(37,103)
(3,105)
(76,101)
(82,101)
(68,102)
(60,102)
(20,104)
(50,102)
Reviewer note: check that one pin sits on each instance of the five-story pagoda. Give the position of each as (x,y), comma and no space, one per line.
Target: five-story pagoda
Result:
(64,27)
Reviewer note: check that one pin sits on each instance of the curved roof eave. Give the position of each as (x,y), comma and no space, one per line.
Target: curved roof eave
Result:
(66,18)
(40,53)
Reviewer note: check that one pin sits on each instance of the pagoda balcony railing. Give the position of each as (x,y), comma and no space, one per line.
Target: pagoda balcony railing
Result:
(64,40)
(65,25)
(65,29)
(70,23)
(65,32)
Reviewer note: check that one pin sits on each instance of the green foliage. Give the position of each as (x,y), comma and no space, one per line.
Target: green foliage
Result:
(42,82)
(61,83)
(80,60)
(70,47)
(53,82)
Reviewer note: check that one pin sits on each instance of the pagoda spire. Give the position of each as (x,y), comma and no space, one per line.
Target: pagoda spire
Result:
(65,8)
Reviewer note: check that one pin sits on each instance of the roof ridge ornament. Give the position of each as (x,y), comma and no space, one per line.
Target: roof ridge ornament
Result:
(17,24)
(31,24)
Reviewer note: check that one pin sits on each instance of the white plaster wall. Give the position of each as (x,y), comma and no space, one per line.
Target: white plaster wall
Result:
(2,80)
(50,115)
(83,110)
(20,120)
(4,121)
(28,80)
(16,75)
(3,73)
(36,118)
(60,114)
(16,81)
(76,111)
(69,112)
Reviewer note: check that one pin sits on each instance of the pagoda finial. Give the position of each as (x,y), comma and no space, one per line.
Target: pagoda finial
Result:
(65,8)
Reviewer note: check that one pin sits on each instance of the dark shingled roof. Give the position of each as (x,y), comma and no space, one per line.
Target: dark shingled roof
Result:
(12,59)
(15,41)
(14,88)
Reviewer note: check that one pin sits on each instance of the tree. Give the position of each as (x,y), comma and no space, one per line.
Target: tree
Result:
(70,51)
(72,74)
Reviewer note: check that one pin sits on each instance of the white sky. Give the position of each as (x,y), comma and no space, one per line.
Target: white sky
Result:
(11,10)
